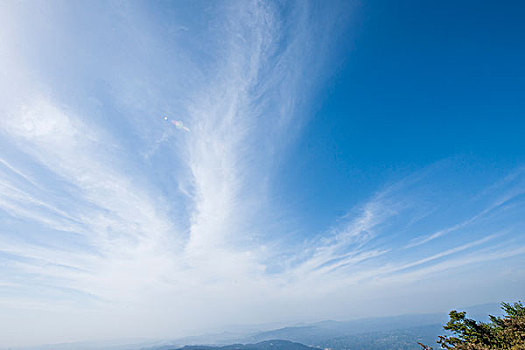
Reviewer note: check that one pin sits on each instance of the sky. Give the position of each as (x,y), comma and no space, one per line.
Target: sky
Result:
(343,159)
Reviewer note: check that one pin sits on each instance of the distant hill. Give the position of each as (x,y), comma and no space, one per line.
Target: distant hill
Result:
(330,334)
(383,333)
(400,339)
(320,333)
(264,345)
(380,333)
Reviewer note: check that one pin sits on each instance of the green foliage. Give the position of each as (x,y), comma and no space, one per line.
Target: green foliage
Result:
(506,333)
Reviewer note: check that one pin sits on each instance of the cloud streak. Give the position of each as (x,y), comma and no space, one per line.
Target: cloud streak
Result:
(105,232)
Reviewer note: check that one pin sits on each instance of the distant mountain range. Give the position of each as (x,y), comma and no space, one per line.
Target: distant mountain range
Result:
(397,332)
(265,345)
(322,333)
(399,339)
(384,333)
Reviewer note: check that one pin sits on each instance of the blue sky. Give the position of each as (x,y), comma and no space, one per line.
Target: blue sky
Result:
(344,159)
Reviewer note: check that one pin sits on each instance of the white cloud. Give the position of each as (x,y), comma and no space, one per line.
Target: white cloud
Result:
(116,251)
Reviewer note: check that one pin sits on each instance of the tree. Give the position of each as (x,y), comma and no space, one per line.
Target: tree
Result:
(506,333)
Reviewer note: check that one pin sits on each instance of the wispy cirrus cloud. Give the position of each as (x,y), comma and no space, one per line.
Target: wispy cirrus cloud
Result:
(111,222)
